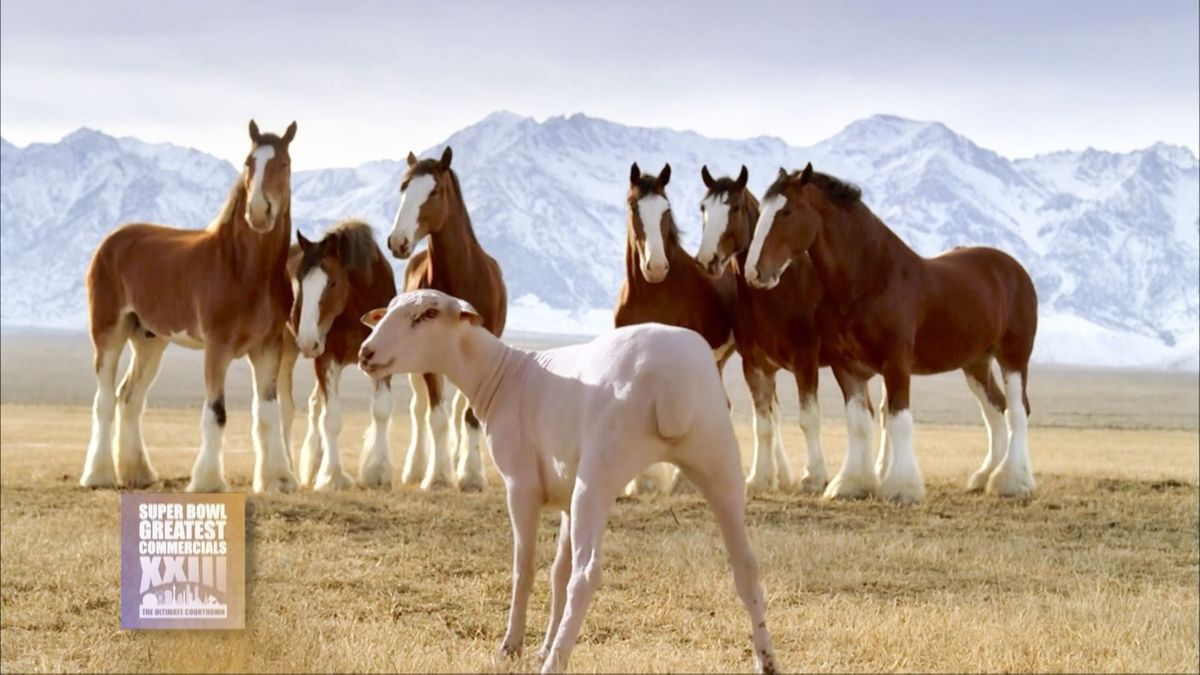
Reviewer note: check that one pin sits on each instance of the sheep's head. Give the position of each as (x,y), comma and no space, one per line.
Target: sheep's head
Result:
(410,335)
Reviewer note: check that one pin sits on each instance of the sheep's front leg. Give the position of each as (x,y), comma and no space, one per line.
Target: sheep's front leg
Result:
(589,513)
(523,508)
(560,574)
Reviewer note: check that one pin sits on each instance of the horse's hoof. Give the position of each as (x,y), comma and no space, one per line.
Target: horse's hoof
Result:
(911,491)
(282,483)
(813,484)
(1012,484)
(846,488)
(98,480)
(471,483)
(377,477)
(208,484)
(337,481)
(140,477)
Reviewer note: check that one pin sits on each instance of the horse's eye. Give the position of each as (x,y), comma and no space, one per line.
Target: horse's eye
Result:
(332,283)
(702,209)
(785,212)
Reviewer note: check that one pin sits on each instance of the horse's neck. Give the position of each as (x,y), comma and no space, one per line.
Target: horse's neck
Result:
(752,214)
(253,250)
(453,249)
(855,251)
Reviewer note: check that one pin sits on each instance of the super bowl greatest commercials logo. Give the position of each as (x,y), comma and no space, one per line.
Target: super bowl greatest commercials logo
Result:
(183,561)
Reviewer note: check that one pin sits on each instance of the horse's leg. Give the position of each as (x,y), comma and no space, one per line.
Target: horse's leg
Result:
(883,459)
(287,400)
(1014,476)
(470,460)
(991,405)
(330,475)
(415,460)
(109,338)
(208,473)
(272,470)
(713,468)
(815,474)
(311,451)
(375,469)
(524,507)
(903,482)
(763,469)
(458,435)
(855,480)
(560,574)
(440,471)
(133,464)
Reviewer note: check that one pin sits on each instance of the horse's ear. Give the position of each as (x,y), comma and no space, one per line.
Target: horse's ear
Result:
(412,159)
(707,177)
(665,176)
(254,135)
(807,175)
(782,173)
(290,133)
(444,162)
(467,313)
(742,179)
(305,244)
(374,316)
(635,174)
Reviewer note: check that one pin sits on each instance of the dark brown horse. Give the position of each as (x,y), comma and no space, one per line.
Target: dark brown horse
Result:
(773,329)
(663,284)
(900,314)
(337,280)
(223,289)
(431,204)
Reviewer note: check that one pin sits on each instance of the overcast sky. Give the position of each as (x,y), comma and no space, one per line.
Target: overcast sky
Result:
(368,80)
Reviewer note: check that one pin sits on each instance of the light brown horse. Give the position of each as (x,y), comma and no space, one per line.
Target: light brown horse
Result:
(773,329)
(223,289)
(663,284)
(900,314)
(431,205)
(337,280)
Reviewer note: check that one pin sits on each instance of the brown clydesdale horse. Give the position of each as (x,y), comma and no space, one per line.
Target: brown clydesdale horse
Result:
(900,314)
(663,284)
(431,204)
(773,329)
(337,280)
(223,289)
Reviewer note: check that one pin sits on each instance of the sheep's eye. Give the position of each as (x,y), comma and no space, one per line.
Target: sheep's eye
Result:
(430,314)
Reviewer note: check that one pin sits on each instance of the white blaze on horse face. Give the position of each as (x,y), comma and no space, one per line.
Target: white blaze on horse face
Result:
(404,229)
(715,214)
(257,203)
(651,210)
(770,207)
(308,333)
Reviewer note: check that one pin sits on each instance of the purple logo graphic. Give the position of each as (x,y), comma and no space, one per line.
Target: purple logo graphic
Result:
(183,561)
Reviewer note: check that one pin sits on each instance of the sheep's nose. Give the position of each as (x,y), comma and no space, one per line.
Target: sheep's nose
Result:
(365,355)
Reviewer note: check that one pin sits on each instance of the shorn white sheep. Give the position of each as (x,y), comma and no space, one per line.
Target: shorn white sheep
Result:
(569,427)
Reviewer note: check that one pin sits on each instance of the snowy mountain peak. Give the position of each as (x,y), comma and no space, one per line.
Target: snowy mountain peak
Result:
(1111,239)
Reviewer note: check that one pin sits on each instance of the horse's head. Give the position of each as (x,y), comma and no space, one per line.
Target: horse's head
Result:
(725,211)
(425,202)
(322,276)
(650,222)
(787,226)
(267,177)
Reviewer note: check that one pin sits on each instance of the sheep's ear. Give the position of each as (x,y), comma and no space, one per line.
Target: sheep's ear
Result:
(467,313)
(374,316)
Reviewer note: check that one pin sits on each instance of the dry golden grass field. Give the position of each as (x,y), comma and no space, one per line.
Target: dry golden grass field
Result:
(1097,573)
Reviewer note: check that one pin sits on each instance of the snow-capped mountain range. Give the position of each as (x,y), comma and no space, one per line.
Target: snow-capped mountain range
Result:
(1112,239)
